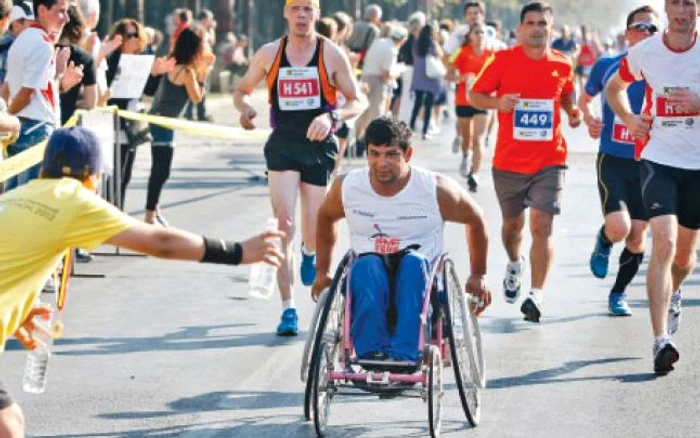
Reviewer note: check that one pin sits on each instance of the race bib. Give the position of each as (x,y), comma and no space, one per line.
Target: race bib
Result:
(620,132)
(299,88)
(533,120)
(387,245)
(670,116)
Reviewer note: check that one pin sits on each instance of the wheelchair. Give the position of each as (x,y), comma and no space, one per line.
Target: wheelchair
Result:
(450,335)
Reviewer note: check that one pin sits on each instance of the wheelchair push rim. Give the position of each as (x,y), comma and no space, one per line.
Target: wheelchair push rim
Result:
(311,334)
(466,355)
(435,392)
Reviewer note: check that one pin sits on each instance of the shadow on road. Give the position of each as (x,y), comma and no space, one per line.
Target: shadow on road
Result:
(185,339)
(516,325)
(554,375)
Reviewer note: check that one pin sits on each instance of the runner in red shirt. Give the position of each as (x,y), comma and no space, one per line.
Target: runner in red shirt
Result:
(532,84)
(465,65)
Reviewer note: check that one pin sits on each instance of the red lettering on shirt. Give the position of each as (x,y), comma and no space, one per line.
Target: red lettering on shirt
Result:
(621,134)
(298,88)
(664,108)
(387,245)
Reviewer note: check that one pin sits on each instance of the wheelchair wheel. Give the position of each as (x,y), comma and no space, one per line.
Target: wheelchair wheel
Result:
(311,335)
(465,346)
(435,392)
(323,387)
(330,326)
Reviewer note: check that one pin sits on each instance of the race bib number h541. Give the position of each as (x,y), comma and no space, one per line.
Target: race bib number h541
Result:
(533,120)
(299,88)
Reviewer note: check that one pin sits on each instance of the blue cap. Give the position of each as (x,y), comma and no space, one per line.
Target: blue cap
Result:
(73,152)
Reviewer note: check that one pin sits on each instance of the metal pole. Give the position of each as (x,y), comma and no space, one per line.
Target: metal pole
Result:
(251,26)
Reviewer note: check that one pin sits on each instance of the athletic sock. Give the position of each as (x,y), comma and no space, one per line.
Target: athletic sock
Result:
(629,266)
(289,304)
(306,252)
(517,267)
(606,242)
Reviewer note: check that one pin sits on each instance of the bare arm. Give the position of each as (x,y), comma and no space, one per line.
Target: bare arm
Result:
(457,206)
(617,98)
(344,80)
(326,235)
(174,244)
(568,102)
(90,94)
(21,100)
(194,91)
(595,124)
(257,70)
(9,124)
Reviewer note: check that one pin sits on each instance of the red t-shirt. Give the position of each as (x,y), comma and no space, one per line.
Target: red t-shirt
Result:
(529,137)
(466,61)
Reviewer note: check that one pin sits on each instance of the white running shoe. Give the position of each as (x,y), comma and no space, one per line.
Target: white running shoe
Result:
(665,355)
(674,312)
(512,282)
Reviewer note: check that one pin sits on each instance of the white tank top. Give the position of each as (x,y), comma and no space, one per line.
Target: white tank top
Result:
(388,224)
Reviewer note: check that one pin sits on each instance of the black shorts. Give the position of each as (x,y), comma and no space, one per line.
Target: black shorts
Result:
(314,161)
(467,112)
(5,399)
(620,186)
(343,132)
(671,191)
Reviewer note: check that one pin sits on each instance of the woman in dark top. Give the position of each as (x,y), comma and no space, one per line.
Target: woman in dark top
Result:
(70,37)
(425,88)
(175,91)
(131,135)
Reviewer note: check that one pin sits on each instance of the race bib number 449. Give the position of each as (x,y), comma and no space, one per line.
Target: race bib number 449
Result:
(533,120)
(299,88)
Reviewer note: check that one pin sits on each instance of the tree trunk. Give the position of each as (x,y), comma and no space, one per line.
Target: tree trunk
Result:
(135,9)
(224,16)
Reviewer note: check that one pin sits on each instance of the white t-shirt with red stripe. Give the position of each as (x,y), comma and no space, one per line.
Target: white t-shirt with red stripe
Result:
(674,139)
(31,63)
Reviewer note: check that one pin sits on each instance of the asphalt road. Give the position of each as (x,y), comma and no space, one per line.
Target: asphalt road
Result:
(160,349)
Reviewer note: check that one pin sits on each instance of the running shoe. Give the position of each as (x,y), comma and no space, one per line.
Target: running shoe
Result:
(674,313)
(665,355)
(463,172)
(289,323)
(308,269)
(600,258)
(82,256)
(532,307)
(617,304)
(512,283)
(473,182)
(456,144)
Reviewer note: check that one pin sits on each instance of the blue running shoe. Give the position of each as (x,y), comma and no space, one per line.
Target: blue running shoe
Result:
(617,304)
(289,323)
(600,258)
(308,269)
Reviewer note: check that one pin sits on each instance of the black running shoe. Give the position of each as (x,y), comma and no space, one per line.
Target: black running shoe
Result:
(665,355)
(531,308)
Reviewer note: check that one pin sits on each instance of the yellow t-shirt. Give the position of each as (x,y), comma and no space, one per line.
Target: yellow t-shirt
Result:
(38,222)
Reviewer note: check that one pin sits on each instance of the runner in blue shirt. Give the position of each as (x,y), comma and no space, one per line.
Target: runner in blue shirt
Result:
(619,182)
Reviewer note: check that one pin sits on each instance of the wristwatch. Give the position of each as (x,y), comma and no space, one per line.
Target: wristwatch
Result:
(335,118)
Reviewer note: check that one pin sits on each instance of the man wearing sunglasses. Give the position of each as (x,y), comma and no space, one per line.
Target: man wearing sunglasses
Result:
(619,181)
(669,146)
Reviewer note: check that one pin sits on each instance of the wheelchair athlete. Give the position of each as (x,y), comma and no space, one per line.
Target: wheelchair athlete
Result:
(396,214)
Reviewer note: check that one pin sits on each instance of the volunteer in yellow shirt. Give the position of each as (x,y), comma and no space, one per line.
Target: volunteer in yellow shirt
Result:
(41,220)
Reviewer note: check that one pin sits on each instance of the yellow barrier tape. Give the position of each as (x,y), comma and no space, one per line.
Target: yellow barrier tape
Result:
(23,161)
(195,128)
(34,155)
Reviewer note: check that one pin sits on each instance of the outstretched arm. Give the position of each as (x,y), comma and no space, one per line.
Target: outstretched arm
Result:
(326,236)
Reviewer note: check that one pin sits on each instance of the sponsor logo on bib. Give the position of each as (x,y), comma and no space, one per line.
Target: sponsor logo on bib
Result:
(383,244)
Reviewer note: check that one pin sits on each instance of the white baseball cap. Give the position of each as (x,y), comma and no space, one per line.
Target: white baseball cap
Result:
(22,11)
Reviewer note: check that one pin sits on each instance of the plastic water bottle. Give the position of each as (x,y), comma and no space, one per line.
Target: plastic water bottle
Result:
(34,380)
(263,277)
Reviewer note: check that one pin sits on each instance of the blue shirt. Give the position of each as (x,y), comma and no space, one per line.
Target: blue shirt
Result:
(615,139)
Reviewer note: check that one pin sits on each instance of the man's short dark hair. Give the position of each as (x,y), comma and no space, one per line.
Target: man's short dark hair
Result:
(642,9)
(541,7)
(48,4)
(5,8)
(389,131)
(480,5)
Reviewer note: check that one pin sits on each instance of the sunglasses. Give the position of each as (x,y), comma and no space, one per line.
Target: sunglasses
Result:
(132,35)
(644,27)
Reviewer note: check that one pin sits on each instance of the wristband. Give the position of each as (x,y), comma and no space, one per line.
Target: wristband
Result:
(220,252)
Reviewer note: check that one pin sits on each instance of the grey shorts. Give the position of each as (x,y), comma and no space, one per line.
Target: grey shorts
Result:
(518,191)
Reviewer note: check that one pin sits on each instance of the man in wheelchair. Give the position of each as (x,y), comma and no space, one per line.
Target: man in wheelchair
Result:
(395,213)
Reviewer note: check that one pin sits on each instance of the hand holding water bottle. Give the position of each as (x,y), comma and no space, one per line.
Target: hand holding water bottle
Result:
(263,275)
(32,325)
(263,248)
(36,334)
